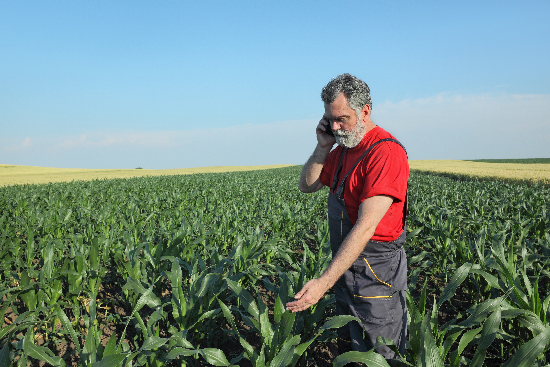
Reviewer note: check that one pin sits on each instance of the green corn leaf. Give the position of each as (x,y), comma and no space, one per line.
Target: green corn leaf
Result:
(67,326)
(148,256)
(489,278)
(285,326)
(338,321)
(6,330)
(490,328)
(142,301)
(56,291)
(5,355)
(179,340)
(319,312)
(371,359)
(229,317)
(537,306)
(529,288)
(48,255)
(153,342)
(134,285)
(284,357)
(532,322)
(147,298)
(278,310)
(93,308)
(69,212)
(112,360)
(110,347)
(429,352)
(479,358)
(418,258)
(415,329)
(215,357)
(414,233)
(94,254)
(458,277)
(530,351)
(423,296)
(300,349)
(464,342)
(40,353)
(178,351)
(142,326)
(390,343)
(27,317)
(258,360)
(449,341)
(544,308)
(488,334)
(28,293)
(248,350)
(266,329)
(482,309)
(206,315)
(246,298)
(511,313)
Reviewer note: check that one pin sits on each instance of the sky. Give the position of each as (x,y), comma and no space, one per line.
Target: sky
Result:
(178,84)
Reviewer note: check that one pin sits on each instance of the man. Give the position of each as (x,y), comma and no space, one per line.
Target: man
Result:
(367,174)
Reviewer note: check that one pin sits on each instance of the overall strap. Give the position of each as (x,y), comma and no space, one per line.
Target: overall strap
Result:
(340,191)
(335,179)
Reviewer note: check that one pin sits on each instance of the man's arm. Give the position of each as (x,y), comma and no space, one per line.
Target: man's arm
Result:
(371,212)
(311,172)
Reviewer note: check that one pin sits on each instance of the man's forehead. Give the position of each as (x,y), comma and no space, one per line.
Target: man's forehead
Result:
(338,110)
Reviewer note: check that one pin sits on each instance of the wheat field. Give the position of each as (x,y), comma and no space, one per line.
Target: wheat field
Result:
(538,172)
(17,175)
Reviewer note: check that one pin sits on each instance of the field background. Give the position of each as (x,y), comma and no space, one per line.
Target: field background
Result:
(92,271)
(16,175)
(513,169)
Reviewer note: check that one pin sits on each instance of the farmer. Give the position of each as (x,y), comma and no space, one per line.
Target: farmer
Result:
(367,174)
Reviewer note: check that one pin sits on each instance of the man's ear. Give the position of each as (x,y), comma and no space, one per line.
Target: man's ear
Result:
(365,113)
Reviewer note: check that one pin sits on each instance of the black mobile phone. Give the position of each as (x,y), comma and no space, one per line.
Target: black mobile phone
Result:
(328,129)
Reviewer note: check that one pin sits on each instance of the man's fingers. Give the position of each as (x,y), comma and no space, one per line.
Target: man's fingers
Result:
(297,306)
(301,292)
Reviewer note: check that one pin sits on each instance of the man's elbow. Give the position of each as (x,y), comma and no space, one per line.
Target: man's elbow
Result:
(308,189)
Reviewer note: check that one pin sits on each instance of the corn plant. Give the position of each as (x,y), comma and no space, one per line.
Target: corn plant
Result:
(280,343)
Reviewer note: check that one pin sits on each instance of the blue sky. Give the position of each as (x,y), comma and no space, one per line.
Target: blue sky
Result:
(175,84)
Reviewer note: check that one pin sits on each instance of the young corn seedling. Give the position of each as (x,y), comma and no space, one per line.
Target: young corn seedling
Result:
(280,344)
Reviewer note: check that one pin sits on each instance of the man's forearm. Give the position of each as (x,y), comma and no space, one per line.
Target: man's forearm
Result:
(311,172)
(371,212)
(349,251)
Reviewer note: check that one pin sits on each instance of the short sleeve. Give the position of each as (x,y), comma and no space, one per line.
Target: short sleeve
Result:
(386,172)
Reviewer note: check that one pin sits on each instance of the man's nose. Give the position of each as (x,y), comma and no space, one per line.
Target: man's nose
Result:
(335,126)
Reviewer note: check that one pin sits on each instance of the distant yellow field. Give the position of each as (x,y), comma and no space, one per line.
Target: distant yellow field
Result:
(15,175)
(513,171)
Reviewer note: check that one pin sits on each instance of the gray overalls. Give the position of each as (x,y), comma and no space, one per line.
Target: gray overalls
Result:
(374,288)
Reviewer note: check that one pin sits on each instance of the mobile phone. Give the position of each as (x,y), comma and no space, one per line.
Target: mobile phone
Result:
(328,130)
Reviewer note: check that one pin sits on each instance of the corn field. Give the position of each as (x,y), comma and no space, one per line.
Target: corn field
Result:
(195,270)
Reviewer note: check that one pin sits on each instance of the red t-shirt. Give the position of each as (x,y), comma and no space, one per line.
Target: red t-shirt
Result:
(383,171)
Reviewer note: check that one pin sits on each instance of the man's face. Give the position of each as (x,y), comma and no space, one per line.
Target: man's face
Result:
(348,131)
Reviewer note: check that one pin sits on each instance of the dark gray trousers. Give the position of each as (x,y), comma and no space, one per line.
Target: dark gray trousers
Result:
(363,292)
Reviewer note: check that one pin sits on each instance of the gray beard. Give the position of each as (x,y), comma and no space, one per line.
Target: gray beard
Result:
(350,139)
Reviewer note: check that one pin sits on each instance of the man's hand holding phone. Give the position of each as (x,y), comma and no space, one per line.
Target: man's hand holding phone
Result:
(325,135)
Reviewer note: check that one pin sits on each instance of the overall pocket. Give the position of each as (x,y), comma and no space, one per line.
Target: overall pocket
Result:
(373,294)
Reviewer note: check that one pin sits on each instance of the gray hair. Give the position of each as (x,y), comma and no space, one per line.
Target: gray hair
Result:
(357,92)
